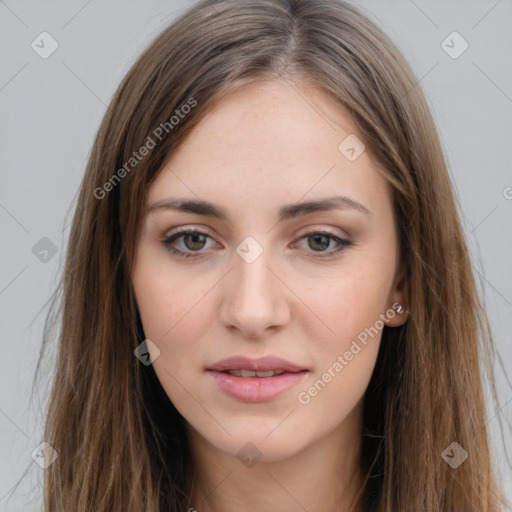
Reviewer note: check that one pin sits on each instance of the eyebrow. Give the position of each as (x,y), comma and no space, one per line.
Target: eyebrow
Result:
(286,212)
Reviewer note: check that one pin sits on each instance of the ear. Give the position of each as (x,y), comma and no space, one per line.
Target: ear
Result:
(396,298)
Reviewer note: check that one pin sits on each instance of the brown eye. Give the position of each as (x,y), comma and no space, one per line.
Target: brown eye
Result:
(319,241)
(194,241)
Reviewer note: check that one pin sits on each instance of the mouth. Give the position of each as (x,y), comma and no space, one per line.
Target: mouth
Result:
(262,365)
(256,380)
(251,373)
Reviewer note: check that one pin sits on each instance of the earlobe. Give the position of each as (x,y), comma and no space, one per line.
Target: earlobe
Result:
(397,312)
(397,315)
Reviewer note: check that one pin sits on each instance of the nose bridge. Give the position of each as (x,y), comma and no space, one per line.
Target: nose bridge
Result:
(254,298)
(252,276)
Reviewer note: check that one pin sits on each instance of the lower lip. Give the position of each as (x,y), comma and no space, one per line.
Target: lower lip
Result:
(256,389)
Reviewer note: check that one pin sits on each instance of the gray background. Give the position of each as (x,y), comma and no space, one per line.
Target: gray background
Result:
(51,108)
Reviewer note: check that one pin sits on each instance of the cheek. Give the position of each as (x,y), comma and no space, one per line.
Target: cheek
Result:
(174,314)
(161,313)
(347,305)
(346,353)
(346,337)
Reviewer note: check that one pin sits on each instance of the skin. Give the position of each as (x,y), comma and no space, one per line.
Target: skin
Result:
(261,147)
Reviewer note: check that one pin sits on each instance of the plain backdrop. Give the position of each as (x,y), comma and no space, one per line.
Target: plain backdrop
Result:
(51,108)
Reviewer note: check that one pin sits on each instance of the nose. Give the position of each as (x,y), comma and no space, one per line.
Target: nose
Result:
(255,300)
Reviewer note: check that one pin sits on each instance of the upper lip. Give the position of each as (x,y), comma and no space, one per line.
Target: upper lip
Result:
(261,364)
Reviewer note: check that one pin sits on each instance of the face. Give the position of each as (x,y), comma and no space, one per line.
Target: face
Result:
(260,277)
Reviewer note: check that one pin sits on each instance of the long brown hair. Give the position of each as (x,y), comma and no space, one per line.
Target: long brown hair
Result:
(121,444)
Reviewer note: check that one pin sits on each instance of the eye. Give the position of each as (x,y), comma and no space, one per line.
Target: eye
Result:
(194,241)
(319,241)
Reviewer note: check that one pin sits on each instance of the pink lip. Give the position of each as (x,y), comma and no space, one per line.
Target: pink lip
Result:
(261,364)
(256,389)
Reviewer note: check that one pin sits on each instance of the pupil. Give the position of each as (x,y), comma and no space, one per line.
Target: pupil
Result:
(316,240)
(195,237)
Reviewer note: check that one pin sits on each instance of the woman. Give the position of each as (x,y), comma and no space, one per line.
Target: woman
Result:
(268,300)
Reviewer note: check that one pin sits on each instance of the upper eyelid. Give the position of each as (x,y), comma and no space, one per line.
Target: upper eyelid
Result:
(308,229)
(181,231)
(185,231)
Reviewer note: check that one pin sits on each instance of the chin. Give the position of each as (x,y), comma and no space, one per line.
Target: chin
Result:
(252,445)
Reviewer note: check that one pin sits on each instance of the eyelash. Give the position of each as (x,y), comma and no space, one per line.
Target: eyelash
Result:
(342,243)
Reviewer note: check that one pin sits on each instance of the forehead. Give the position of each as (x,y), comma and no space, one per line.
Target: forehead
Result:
(275,117)
(265,142)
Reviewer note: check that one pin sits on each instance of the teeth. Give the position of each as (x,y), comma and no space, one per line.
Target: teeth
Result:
(251,373)
(269,373)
